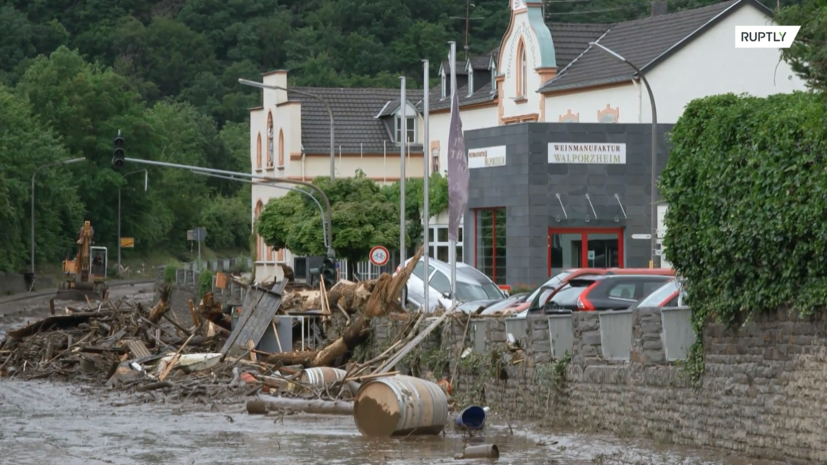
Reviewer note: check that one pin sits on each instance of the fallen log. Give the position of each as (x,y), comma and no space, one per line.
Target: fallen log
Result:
(323,407)
(161,307)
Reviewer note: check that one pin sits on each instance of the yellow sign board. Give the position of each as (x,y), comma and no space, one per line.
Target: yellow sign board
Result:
(127,242)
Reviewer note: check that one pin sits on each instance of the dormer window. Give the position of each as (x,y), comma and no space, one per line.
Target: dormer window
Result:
(493,81)
(444,86)
(410,129)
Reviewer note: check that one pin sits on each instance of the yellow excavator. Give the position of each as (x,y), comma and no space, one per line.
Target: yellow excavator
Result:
(85,275)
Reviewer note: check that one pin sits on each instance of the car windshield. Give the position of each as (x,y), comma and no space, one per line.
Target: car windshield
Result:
(658,296)
(566,297)
(467,292)
(555,281)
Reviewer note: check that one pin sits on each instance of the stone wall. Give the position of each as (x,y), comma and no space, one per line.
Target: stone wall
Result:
(13,283)
(762,393)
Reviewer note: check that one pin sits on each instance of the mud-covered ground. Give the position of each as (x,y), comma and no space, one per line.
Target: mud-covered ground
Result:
(43,423)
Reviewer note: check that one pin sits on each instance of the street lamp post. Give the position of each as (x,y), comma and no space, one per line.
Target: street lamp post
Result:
(653,219)
(146,185)
(64,162)
(313,96)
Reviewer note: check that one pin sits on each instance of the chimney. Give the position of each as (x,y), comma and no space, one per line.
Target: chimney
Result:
(660,8)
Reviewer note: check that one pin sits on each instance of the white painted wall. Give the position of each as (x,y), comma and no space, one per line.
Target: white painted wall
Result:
(708,65)
(471,119)
(510,62)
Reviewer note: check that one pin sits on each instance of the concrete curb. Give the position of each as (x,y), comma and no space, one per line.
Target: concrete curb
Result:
(52,291)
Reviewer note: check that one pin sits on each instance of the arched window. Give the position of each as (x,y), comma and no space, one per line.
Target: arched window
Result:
(522,70)
(259,240)
(258,151)
(570,117)
(281,148)
(270,146)
(608,114)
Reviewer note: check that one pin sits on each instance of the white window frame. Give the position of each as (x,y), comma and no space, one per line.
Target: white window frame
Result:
(470,81)
(410,114)
(435,243)
(443,90)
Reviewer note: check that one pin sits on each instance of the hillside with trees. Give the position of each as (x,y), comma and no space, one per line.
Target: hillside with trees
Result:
(73,72)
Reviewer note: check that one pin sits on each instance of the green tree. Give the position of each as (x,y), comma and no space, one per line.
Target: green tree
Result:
(362,219)
(808,54)
(27,145)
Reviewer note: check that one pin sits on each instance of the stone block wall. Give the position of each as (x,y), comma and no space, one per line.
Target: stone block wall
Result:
(14,283)
(762,394)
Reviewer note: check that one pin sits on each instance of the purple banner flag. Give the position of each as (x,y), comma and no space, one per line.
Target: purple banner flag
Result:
(458,174)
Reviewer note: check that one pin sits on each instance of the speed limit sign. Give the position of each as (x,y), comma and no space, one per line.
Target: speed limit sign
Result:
(379,255)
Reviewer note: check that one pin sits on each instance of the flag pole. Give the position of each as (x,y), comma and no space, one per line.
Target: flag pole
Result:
(426,157)
(403,138)
(452,245)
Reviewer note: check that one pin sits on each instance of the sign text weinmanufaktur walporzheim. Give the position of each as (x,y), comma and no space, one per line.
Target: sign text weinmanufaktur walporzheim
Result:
(599,154)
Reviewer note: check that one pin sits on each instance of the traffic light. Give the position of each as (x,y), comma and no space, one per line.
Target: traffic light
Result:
(118,158)
(326,272)
(329,272)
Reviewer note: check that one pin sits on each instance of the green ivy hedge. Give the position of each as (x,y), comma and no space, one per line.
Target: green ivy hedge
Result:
(746,184)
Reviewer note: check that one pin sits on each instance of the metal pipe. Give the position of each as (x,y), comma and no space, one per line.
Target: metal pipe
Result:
(313,96)
(230,178)
(403,138)
(252,176)
(64,162)
(653,212)
(426,210)
(146,185)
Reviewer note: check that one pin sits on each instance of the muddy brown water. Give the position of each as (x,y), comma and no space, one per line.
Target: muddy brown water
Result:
(44,423)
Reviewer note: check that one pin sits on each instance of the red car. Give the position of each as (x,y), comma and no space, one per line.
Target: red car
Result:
(547,289)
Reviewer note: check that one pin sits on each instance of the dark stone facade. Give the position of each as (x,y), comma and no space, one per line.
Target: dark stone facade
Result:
(528,186)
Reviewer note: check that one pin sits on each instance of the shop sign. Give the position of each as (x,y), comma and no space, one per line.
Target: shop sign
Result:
(485,157)
(589,154)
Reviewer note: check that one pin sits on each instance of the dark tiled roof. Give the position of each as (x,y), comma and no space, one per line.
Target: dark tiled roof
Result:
(641,42)
(482,95)
(570,39)
(354,112)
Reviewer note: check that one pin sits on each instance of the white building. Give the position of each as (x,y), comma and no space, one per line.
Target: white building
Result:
(546,72)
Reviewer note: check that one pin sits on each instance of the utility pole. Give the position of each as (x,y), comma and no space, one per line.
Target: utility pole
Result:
(468,20)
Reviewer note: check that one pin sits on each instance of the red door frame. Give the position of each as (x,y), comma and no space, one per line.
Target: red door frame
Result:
(493,239)
(584,238)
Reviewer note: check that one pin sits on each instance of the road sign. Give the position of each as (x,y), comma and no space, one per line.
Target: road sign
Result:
(641,236)
(591,255)
(199,234)
(127,242)
(658,252)
(379,255)
(190,235)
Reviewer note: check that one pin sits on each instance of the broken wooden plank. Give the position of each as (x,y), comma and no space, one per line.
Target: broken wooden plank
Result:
(259,308)
(138,349)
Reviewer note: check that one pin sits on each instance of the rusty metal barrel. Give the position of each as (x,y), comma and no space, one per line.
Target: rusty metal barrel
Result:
(322,376)
(400,405)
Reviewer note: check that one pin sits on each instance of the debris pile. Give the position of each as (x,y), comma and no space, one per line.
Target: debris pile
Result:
(128,345)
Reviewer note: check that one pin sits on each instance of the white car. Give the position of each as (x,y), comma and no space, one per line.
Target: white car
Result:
(471,285)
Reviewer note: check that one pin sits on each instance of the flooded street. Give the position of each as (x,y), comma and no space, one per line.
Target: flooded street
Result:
(47,422)
(51,423)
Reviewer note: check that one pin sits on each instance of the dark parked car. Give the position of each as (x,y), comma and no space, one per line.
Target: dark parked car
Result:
(607,292)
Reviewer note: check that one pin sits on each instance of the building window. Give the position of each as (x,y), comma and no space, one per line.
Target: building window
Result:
(440,246)
(258,151)
(490,243)
(608,114)
(281,148)
(443,87)
(260,249)
(410,129)
(270,145)
(570,117)
(435,160)
(522,70)
(493,80)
